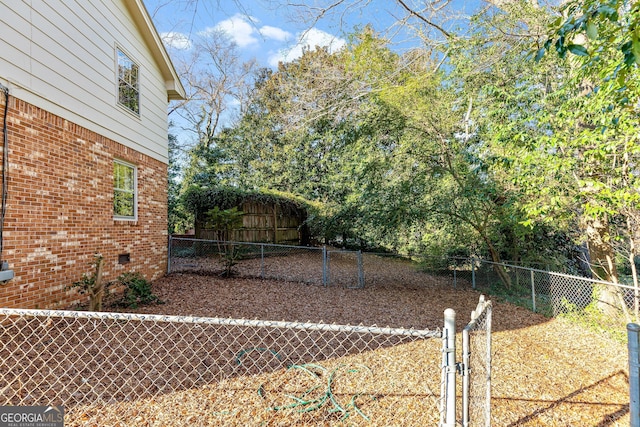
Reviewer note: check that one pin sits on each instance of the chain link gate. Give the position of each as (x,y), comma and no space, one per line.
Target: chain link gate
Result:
(345,268)
(476,367)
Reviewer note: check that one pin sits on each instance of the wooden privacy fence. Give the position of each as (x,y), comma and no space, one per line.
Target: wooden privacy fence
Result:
(263,222)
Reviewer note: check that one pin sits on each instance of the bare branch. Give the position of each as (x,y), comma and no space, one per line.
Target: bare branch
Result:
(424,19)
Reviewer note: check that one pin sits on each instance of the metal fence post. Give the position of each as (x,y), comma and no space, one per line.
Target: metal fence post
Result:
(262,261)
(324,266)
(533,290)
(448,390)
(360,270)
(488,329)
(169,255)
(633,335)
(455,278)
(473,272)
(466,364)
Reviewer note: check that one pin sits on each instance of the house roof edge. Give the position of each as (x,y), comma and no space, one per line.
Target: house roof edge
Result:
(141,17)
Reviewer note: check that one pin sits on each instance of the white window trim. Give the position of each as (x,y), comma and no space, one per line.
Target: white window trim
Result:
(117,81)
(135,192)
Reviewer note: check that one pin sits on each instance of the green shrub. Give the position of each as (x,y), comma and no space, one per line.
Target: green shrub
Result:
(93,285)
(137,290)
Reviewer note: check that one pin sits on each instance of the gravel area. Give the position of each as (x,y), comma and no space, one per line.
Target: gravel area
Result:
(546,372)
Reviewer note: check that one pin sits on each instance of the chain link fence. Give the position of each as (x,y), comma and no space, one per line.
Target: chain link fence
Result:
(310,265)
(601,305)
(476,367)
(132,369)
(128,369)
(245,259)
(597,304)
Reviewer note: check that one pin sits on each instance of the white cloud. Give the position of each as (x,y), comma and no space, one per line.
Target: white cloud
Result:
(176,40)
(243,31)
(239,28)
(309,39)
(275,33)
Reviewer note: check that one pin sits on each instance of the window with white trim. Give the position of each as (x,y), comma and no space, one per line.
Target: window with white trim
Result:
(128,83)
(124,190)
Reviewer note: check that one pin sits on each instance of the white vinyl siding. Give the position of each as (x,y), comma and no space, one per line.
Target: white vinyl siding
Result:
(59,55)
(14,59)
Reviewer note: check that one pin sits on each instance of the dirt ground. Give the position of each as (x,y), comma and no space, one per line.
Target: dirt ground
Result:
(545,372)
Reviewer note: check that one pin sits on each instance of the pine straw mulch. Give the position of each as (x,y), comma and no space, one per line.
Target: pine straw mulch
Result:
(545,372)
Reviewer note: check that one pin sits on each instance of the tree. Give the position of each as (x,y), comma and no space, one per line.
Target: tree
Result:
(224,221)
(429,18)
(449,177)
(179,218)
(315,128)
(464,133)
(216,81)
(574,150)
(605,33)
(394,155)
(599,110)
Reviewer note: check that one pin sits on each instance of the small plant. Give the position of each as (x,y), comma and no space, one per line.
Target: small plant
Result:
(137,290)
(224,222)
(92,284)
(594,318)
(230,258)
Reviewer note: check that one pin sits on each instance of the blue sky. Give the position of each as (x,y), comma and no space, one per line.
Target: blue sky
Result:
(269,33)
(259,31)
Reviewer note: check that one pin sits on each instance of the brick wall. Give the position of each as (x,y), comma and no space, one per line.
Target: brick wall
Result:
(60,209)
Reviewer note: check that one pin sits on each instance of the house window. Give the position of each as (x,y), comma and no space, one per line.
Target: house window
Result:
(124,190)
(128,83)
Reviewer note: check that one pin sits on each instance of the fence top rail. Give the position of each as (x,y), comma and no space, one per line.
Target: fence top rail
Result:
(312,248)
(417,333)
(552,273)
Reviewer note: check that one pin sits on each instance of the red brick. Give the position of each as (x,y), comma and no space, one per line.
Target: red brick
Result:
(60,209)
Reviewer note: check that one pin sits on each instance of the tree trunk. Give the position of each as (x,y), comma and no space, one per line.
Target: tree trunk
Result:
(603,267)
(497,266)
(600,250)
(96,294)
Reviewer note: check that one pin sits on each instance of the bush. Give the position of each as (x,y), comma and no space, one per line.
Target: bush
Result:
(93,285)
(137,290)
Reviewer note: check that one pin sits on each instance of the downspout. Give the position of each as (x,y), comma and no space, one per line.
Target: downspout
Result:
(5,273)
